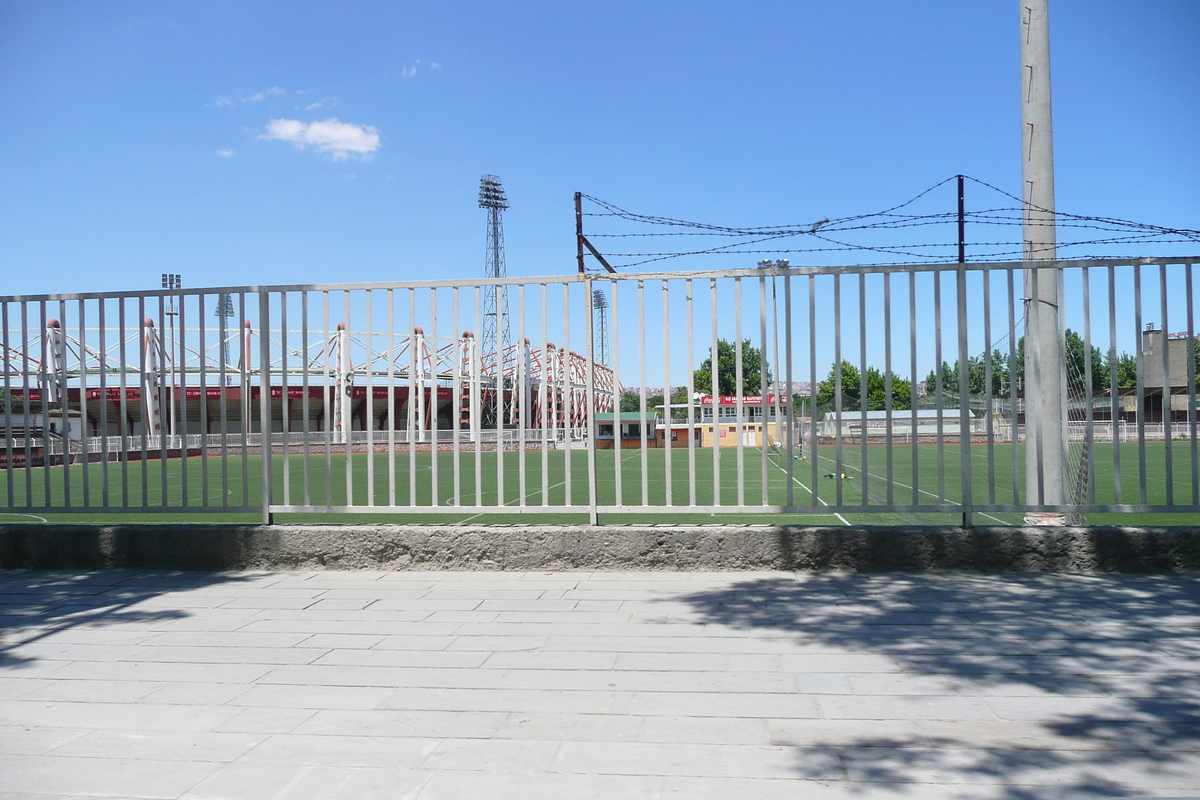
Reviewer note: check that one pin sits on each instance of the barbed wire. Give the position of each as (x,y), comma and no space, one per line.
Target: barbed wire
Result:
(1126,232)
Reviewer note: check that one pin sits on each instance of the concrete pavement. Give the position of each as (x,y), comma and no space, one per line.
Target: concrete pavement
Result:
(597,685)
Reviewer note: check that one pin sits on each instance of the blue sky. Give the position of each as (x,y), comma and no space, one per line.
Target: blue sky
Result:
(136,136)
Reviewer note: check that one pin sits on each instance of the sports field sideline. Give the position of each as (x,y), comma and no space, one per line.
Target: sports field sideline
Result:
(408,481)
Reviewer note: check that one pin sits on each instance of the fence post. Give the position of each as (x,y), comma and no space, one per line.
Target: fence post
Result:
(264,400)
(593,515)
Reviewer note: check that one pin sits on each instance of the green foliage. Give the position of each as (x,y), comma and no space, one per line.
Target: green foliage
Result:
(631,401)
(752,370)
(852,390)
(1126,371)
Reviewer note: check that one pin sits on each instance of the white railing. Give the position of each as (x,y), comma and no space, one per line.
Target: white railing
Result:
(391,404)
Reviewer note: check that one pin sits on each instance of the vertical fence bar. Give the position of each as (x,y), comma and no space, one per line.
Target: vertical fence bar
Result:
(791,405)
(123,408)
(1089,488)
(887,385)
(83,398)
(1033,327)
(715,363)
(1012,383)
(812,365)
(1191,373)
(44,391)
(546,395)
(455,394)
(434,401)
(181,391)
(589,333)
(414,387)
(1166,385)
(166,397)
(1113,378)
(691,392)
(912,344)
(305,403)
(369,401)
(939,386)
(285,402)
(346,368)
(11,499)
(988,372)
(964,390)
(764,406)
(391,396)
(1141,380)
(477,401)
(203,403)
(264,400)
(641,426)
(739,390)
(244,358)
(49,352)
(521,397)
(838,397)
(864,473)
(144,344)
(331,399)
(618,444)
(568,391)
(668,416)
(60,384)
(223,302)
(27,420)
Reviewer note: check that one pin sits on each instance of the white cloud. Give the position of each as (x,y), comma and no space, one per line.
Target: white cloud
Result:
(243,99)
(225,153)
(258,97)
(339,140)
(324,101)
(412,69)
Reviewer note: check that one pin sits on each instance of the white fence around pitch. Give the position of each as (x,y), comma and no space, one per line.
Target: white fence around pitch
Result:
(346,398)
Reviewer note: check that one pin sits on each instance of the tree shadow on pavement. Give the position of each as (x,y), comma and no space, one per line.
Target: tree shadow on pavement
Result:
(36,605)
(1014,686)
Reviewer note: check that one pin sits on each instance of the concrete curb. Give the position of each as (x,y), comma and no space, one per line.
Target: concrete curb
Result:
(529,547)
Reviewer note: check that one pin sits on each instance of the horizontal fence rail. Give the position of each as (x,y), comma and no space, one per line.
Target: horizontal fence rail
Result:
(888,391)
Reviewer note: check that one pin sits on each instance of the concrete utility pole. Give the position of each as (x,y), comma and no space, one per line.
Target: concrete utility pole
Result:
(1045,422)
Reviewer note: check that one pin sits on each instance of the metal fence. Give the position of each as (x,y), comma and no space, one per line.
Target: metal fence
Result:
(358,398)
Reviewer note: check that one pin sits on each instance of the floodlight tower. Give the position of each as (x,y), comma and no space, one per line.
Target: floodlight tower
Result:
(495,298)
(174,282)
(600,303)
(224,311)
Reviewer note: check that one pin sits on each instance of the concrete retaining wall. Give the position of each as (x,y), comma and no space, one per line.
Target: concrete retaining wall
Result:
(383,547)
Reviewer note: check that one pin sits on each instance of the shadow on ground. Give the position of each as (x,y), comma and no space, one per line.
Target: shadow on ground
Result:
(35,605)
(1076,685)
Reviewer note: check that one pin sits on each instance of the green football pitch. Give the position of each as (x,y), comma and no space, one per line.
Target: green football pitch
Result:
(195,487)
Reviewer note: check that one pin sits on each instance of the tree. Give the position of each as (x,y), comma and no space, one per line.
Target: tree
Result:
(1126,371)
(1077,363)
(631,401)
(852,390)
(752,370)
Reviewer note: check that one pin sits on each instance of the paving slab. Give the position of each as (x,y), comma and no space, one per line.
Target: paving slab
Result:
(295,685)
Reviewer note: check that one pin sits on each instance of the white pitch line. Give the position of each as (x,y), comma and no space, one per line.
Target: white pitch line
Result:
(805,488)
(13,514)
(905,485)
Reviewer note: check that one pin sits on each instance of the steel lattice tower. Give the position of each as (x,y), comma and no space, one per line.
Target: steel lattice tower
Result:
(495,299)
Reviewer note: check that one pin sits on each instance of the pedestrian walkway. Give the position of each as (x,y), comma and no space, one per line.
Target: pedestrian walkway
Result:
(597,685)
